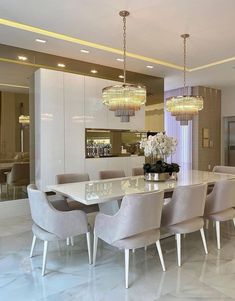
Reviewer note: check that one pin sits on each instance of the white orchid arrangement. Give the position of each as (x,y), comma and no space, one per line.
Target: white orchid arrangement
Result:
(158,145)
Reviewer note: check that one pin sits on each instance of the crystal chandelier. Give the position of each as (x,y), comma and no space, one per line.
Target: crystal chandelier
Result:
(126,98)
(184,107)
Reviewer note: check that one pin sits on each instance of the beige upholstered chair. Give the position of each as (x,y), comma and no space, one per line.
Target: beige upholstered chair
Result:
(220,205)
(137,171)
(184,213)
(111,174)
(73,178)
(52,225)
(18,176)
(224,169)
(113,206)
(135,225)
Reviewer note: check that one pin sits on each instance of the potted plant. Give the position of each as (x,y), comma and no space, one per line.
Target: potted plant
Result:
(156,149)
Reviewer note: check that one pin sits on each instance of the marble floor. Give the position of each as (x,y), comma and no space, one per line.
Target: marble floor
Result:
(70,278)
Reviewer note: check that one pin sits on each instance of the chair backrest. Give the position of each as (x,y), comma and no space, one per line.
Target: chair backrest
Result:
(222,197)
(39,206)
(138,213)
(72,178)
(19,175)
(137,171)
(187,202)
(111,174)
(224,169)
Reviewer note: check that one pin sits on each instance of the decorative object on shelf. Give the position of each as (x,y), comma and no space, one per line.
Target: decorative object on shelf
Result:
(155,147)
(124,99)
(184,107)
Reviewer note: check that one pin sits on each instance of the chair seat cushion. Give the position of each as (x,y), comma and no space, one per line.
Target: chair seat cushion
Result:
(222,216)
(43,234)
(139,240)
(188,226)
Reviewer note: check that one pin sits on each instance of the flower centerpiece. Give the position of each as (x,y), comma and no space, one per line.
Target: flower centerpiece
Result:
(157,148)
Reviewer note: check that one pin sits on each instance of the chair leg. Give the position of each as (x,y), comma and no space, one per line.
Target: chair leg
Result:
(32,246)
(178,244)
(14,192)
(204,240)
(88,238)
(159,249)
(126,267)
(67,241)
(44,257)
(217,226)
(72,241)
(234,221)
(95,243)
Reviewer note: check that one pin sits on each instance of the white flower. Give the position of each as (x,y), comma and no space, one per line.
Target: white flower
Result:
(160,144)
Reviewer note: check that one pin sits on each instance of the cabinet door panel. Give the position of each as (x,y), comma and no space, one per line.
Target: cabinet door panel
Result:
(96,113)
(74,123)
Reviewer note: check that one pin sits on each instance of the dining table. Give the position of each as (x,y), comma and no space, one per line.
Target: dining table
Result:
(106,193)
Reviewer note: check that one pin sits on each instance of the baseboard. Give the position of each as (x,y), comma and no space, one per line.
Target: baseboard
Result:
(14,208)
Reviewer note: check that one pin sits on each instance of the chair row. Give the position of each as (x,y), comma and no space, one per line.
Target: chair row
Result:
(137,223)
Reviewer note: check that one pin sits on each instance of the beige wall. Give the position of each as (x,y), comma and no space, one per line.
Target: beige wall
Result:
(154,117)
(209,117)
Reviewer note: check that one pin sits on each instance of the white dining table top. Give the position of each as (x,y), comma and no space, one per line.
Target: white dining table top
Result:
(95,192)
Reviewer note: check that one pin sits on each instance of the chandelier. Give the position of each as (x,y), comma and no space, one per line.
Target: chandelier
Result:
(124,99)
(184,107)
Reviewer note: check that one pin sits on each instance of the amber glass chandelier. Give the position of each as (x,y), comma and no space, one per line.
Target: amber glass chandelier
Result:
(126,98)
(184,107)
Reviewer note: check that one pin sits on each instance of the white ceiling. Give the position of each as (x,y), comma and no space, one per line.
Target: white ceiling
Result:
(154,28)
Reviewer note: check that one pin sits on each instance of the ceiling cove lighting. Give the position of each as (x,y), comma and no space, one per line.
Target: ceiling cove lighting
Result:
(61,65)
(85,43)
(84,51)
(40,41)
(124,99)
(186,106)
(22,58)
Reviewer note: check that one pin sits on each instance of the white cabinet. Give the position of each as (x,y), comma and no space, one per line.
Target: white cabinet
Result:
(74,129)
(49,126)
(94,166)
(66,104)
(96,113)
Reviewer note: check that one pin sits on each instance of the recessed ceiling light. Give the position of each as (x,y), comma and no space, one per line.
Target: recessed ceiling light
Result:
(119,59)
(84,51)
(150,66)
(40,41)
(22,58)
(94,71)
(61,65)
(120,76)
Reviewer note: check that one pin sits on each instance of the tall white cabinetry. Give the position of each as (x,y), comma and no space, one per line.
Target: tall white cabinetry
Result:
(66,104)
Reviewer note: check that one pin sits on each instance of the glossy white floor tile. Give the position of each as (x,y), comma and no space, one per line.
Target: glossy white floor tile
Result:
(69,277)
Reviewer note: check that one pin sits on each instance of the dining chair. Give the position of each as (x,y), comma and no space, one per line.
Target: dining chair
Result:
(18,176)
(50,224)
(73,178)
(137,171)
(184,213)
(111,174)
(224,169)
(113,206)
(135,225)
(220,205)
